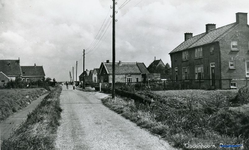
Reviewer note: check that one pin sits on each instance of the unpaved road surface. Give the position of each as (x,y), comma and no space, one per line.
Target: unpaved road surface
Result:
(14,121)
(88,125)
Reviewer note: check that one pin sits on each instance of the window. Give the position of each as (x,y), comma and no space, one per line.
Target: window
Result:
(129,79)
(199,72)
(247,68)
(185,73)
(176,72)
(233,85)
(234,46)
(231,65)
(185,55)
(137,80)
(212,50)
(198,52)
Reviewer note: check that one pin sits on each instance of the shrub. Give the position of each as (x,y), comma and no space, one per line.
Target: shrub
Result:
(242,97)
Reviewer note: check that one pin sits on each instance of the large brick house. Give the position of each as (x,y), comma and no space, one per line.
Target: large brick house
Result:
(124,72)
(217,58)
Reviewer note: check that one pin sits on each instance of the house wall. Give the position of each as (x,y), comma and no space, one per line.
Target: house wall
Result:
(32,79)
(238,75)
(208,57)
(3,80)
(123,78)
(95,76)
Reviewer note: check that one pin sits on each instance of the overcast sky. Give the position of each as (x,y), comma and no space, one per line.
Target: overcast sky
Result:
(53,33)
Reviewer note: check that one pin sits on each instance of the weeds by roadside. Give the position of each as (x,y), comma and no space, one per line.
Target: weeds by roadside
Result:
(39,130)
(182,120)
(15,99)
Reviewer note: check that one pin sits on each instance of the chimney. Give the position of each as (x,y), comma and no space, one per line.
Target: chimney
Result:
(35,64)
(154,57)
(188,36)
(241,18)
(210,27)
(107,61)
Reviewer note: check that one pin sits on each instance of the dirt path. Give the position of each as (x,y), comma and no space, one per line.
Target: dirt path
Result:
(88,125)
(12,122)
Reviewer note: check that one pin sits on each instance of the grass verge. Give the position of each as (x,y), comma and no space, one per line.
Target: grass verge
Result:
(12,100)
(187,120)
(39,130)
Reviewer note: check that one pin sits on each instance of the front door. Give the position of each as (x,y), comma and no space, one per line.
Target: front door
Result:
(212,74)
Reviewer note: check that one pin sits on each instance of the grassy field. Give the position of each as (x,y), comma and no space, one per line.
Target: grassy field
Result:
(193,117)
(12,100)
(39,130)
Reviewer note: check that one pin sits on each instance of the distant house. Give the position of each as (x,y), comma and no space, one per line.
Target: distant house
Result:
(94,75)
(124,72)
(32,73)
(157,70)
(10,69)
(85,76)
(217,58)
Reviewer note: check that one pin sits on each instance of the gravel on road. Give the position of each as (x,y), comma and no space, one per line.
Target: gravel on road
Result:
(87,124)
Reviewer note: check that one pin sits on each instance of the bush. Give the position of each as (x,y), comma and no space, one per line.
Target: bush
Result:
(242,97)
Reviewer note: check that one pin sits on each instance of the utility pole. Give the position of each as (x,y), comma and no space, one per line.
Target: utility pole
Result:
(73,73)
(113,49)
(76,70)
(84,53)
(70,75)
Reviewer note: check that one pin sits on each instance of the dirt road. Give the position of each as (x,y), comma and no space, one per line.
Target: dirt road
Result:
(88,125)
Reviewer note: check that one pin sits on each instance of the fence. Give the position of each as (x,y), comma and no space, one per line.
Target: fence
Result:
(206,84)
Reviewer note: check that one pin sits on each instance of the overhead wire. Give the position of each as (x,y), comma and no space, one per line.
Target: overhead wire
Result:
(100,31)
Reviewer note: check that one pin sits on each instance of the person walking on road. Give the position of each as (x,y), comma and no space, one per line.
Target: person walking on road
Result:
(67,85)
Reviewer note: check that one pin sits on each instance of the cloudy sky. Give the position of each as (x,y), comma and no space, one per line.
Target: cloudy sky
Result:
(53,33)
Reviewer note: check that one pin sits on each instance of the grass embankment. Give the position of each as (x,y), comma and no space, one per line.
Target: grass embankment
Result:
(195,117)
(39,130)
(12,100)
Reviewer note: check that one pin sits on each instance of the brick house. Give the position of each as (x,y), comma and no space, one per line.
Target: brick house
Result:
(217,58)
(125,72)
(32,73)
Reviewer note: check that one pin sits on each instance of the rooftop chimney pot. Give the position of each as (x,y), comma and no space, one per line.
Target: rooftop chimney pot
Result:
(210,27)
(188,36)
(241,18)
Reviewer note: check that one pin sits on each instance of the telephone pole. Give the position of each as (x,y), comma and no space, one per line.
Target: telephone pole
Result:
(76,70)
(73,73)
(84,53)
(113,49)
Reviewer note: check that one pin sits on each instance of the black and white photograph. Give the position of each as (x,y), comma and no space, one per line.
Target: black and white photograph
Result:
(124,75)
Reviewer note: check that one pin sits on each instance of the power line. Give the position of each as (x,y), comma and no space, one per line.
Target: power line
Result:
(124,4)
(103,26)
(99,40)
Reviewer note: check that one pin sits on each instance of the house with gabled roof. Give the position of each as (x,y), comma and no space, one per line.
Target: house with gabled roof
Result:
(11,68)
(217,58)
(157,70)
(32,73)
(125,72)
(94,75)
